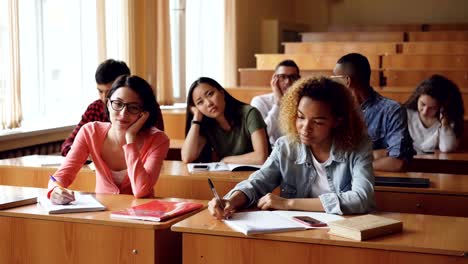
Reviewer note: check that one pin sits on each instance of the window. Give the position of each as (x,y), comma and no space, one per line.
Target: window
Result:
(203,49)
(58,54)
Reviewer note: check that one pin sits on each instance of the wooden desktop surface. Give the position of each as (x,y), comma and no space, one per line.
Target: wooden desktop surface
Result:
(447,194)
(28,233)
(425,239)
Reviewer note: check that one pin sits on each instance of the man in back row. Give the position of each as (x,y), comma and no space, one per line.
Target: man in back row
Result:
(286,73)
(386,119)
(105,75)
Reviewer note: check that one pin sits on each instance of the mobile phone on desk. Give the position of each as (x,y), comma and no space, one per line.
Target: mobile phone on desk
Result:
(309,221)
(200,167)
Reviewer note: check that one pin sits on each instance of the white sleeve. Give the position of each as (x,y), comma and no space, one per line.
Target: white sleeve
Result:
(270,115)
(447,139)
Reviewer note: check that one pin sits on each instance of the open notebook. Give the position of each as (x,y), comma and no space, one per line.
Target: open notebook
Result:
(82,203)
(258,222)
(221,166)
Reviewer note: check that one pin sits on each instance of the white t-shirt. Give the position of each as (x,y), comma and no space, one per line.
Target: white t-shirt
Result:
(119,176)
(320,186)
(428,139)
(265,103)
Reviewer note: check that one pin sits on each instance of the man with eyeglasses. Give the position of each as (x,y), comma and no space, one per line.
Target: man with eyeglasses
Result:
(105,75)
(286,73)
(386,119)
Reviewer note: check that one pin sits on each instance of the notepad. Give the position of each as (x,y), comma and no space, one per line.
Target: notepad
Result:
(259,222)
(221,166)
(82,203)
(157,210)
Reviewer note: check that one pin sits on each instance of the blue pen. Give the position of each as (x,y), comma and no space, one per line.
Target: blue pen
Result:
(55,181)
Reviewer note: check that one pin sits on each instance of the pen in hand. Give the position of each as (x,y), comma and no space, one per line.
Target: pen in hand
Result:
(66,195)
(220,201)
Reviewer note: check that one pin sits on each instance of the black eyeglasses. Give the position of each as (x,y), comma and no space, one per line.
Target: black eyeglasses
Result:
(291,77)
(132,108)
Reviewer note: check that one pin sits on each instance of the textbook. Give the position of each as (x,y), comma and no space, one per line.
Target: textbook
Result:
(221,166)
(259,222)
(82,203)
(12,196)
(365,227)
(402,182)
(157,210)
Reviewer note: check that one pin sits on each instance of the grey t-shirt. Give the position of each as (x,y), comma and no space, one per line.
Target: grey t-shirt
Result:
(237,141)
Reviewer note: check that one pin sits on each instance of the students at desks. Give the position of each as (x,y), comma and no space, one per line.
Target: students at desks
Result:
(286,73)
(324,163)
(435,115)
(385,119)
(128,152)
(221,128)
(105,75)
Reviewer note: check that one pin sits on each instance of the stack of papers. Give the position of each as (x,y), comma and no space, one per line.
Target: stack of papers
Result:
(82,203)
(221,166)
(258,222)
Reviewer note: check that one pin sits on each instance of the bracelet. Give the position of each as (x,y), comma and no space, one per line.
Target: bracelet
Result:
(196,122)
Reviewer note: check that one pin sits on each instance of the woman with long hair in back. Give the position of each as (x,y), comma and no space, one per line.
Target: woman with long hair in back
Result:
(221,128)
(435,115)
(323,163)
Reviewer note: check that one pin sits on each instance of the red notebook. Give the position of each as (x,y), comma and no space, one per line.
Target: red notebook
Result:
(157,210)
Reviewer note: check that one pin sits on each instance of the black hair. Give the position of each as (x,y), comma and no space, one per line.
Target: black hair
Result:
(288,63)
(356,66)
(109,70)
(447,95)
(146,95)
(232,116)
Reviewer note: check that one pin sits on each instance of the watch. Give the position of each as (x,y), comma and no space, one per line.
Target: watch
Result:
(196,122)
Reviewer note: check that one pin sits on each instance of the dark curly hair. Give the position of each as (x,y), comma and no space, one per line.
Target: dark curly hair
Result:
(349,131)
(447,95)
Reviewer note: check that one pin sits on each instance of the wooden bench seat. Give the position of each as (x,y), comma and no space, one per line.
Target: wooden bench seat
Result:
(438,36)
(426,62)
(353,36)
(256,77)
(375,28)
(307,61)
(403,77)
(333,47)
(435,47)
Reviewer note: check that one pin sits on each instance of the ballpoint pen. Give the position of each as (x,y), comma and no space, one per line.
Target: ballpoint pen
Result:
(220,201)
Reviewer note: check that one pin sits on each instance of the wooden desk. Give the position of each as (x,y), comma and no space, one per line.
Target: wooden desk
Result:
(340,47)
(425,62)
(28,234)
(308,61)
(353,36)
(425,239)
(438,36)
(447,195)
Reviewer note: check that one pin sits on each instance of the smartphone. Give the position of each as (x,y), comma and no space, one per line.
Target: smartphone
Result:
(200,167)
(307,220)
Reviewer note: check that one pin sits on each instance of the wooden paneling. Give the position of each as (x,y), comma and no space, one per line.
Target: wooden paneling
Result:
(435,47)
(375,28)
(426,62)
(365,48)
(411,78)
(307,62)
(256,77)
(353,36)
(245,94)
(443,27)
(438,36)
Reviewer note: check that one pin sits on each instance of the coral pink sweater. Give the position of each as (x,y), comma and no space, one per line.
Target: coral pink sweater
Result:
(143,165)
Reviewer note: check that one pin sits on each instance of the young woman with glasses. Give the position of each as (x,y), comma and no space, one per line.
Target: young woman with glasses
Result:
(128,152)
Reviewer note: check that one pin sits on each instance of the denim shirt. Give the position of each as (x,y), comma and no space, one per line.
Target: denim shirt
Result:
(386,122)
(350,177)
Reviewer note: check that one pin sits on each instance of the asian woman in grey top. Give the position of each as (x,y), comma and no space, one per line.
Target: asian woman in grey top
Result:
(324,163)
